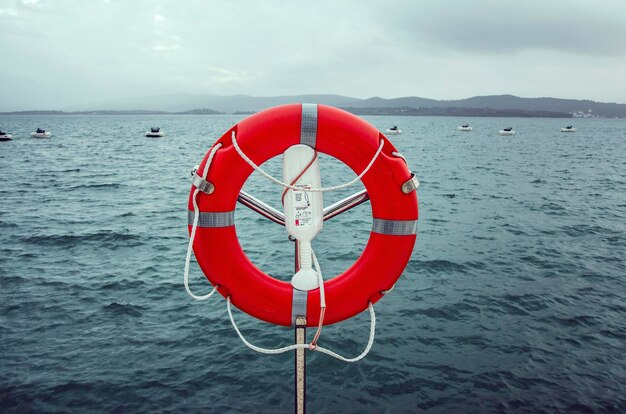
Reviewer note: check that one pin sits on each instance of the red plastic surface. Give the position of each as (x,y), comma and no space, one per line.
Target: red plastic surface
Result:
(345,137)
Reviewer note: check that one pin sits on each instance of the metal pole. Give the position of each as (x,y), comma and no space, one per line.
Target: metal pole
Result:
(300,362)
(300,366)
(300,330)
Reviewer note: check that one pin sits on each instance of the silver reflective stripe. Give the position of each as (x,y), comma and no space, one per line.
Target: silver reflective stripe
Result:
(308,127)
(394,227)
(212,219)
(298,305)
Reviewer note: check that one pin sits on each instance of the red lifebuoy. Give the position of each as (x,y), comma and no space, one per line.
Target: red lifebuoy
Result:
(339,134)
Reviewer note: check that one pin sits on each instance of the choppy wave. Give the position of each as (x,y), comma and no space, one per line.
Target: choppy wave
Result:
(513,301)
(71,240)
(123,309)
(4,224)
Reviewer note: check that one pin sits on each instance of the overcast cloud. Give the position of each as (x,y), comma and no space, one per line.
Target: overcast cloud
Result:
(62,53)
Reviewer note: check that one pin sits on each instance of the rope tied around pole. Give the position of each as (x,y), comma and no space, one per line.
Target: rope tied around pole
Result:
(287,348)
(313,346)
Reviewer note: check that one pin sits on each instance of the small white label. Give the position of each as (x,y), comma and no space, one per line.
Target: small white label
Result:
(302,207)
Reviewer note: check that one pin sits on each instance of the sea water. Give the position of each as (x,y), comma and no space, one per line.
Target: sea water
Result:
(514,299)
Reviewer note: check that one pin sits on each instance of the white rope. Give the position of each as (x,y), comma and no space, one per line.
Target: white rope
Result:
(370,342)
(311,190)
(257,348)
(194,227)
(320,280)
(306,346)
(313,345)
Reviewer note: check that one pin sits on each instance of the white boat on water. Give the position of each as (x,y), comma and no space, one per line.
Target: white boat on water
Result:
(41,133)
(4,136)
(506,131)
(465,127)
(568,128)
(393,131)
(155,132)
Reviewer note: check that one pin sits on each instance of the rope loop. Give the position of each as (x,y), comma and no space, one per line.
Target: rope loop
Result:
(193,230)
(315,347)
(310,190)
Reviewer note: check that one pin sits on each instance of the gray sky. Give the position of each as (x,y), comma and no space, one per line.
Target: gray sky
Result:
(58,53)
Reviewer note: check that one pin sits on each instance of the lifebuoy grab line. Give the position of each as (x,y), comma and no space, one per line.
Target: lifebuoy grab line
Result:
(268,134)
(194,226)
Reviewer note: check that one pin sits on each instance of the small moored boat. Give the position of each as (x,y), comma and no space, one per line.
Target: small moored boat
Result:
(506,131)
(569,128)
(393,131)
(155,132)
(41,133)
(465,127)
(4,136)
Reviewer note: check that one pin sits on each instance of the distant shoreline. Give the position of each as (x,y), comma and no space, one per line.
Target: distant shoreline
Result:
(387,111)
(477,106)
(458,112)
(112,112)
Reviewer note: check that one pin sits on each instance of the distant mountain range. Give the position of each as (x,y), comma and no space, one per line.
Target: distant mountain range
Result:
(494,105)
(567,107)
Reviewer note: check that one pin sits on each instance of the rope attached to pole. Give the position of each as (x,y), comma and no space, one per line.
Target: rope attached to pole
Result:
(313,345)
(268,351)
